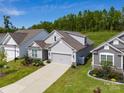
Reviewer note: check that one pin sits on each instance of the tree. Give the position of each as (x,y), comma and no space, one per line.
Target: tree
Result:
(87,20)
(6,22)
(8,26)
(2,62)
(44,25)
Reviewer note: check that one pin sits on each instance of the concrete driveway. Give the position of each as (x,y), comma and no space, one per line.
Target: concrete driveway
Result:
(38,81)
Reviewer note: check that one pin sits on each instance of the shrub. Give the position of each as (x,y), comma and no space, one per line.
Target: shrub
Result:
(114,80)
(37,62)
(27,61)
(107,74)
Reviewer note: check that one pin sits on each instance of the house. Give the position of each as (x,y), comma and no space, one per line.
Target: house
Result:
(62,47)
(2,35)
(111,51)
(16,44)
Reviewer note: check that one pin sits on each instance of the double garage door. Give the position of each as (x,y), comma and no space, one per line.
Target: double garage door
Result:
(61,58)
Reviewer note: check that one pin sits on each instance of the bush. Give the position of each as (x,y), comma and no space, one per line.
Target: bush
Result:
(107,74)
(114,80)
(27,61)
(37,62)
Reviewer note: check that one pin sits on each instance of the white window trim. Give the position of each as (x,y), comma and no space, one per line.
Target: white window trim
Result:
(107,54)
(34,53)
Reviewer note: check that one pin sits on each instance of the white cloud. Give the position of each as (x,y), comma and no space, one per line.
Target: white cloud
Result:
(12,12)
(8,0)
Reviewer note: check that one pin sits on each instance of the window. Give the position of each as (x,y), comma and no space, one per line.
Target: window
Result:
(54,38)
(106,59)
(34,53)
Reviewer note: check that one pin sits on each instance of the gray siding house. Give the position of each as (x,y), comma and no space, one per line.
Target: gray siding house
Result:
(64,47)
(111,51)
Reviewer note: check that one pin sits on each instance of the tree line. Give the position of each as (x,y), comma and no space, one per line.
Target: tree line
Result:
(87,20)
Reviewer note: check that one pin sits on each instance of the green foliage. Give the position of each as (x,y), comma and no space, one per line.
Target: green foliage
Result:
(8,26)
(37,62)
(87,20)
(15,71)
(44,25)
(27,61)
(108,74)
(2,61)
(106,65)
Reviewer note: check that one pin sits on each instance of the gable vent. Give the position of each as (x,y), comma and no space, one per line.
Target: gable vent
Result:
(115,42)
(106,47)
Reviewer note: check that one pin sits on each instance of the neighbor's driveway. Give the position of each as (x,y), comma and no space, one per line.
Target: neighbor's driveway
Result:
(38,81)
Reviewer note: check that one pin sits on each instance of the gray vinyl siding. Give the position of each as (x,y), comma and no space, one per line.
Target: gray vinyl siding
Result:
(117,56)
(120,45)
(83,53)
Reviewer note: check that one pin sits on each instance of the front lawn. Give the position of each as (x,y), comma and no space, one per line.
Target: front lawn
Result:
(77,81)
(15,71)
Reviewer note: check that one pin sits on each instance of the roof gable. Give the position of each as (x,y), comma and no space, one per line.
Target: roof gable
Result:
(109,46)
(9,40)
(62,46)
(50,38)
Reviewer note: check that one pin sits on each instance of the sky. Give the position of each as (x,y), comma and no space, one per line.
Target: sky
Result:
(29,12)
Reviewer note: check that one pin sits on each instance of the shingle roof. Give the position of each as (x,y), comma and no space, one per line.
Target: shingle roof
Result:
(18,37)
(30,33)
(24,35)
(71,41)
(2,35)
(75,33)
(42,44)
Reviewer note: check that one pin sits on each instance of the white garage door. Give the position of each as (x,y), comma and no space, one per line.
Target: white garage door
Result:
(11,54)
(61,58)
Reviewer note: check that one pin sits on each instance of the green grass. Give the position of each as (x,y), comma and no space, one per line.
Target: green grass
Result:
(16,71)
(100,37)
(77,81)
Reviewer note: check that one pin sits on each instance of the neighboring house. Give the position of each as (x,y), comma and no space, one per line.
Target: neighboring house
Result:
(111,51)
(64,47)
(16,44)
(2,35)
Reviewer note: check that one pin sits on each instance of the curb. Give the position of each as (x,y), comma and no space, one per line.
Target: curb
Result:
(103,79)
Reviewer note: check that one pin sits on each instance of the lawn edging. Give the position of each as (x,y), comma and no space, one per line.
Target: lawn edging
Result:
(103,79)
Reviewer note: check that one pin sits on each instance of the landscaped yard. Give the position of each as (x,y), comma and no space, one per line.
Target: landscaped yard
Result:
(77,81)
(15,72)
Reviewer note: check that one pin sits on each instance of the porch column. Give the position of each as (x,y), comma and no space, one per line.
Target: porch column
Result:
(122,60)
